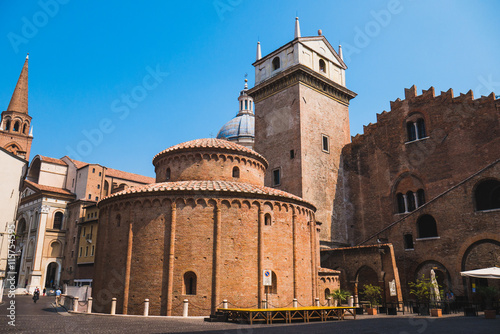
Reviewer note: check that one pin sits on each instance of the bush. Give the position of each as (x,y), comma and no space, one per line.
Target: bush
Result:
(373,293)
(340,295)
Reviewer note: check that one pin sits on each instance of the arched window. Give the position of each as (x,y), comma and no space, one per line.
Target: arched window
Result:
(274,287)
(420,128)
(327,293)
(241,105)
(7,125)
(420,197)
(267,219)
(118,220)
(55,249)
(426,226)
(408,241)
(167,174)
(410,129)
(16,126)
(401,203)
(410,201)
(322,66)
(250,105)
(21,227)
(246,104)
(276,63)
(25,128)
(236,172)
(487,195)
(190,283)
(106,188)
(58,218)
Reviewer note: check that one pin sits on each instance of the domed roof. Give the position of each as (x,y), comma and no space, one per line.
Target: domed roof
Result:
(242,125)
(212,143)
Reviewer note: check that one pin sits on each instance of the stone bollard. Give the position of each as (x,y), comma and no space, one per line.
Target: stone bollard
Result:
(224,303)
(113,306)
(350,301)
(329,299)
(75,304)
(264,303)
(89,305)
(317,301)
(185,308)
(146,307)
(295,302)
(356,301)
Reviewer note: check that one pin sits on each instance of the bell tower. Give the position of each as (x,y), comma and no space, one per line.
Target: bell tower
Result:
(15,132)
(302,124)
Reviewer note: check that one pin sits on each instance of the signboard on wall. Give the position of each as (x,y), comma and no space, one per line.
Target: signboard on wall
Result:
(267,278)
(392,288)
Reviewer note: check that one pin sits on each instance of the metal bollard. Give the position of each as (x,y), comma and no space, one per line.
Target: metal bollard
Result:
(317,301)
(295,303)
(89,305)
(356,301)
(329,301)
(146,307)
(75,304)
(350,301)
(113,306)
(264,303)
(224,303)
(185,308)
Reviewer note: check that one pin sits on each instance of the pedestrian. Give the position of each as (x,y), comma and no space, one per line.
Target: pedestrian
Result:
(44,290)
(36,295)
(58,296)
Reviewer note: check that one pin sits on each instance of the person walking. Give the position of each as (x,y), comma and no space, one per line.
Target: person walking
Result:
(36,295)
(44,290)
(58,296)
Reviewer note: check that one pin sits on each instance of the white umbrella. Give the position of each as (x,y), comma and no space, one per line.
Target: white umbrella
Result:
(492,272)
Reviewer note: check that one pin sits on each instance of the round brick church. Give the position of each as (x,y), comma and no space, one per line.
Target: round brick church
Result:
(205,232)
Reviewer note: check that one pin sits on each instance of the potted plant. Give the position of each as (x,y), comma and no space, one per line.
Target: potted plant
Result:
(489,295)
(339,296)
(421,290)
(374,294)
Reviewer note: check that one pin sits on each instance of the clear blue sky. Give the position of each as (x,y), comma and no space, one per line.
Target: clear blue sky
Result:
(86,56)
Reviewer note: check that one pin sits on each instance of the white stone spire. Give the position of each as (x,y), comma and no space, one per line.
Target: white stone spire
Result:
(259,53)
(340,52)
(297,28)
(31,131)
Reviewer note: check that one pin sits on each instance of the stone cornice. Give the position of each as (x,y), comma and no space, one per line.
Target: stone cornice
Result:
(304,75)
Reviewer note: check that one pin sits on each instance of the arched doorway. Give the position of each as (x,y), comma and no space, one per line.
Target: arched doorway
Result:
(52,275)
(443,277)
(365,276)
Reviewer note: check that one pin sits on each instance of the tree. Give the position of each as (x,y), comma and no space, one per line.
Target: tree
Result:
(373,293)
(340,295)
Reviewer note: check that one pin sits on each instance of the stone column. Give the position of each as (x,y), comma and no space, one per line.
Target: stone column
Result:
(314,269)
(128,265)
(171,256)
(260,255)
(216,257)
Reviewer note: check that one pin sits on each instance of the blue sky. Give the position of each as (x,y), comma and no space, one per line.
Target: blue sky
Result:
(182,63)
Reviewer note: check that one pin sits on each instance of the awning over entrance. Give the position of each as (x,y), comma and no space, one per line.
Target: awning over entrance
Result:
(492,272)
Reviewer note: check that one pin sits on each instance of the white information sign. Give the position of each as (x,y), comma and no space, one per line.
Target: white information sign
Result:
(267,278)
(392,287)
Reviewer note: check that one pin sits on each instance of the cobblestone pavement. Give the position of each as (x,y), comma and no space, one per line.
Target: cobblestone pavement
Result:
(42,317)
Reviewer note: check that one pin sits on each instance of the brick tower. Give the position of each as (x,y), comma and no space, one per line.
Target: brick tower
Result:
(302,123)
(15,134)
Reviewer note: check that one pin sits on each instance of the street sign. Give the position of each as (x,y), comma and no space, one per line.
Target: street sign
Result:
(268,280)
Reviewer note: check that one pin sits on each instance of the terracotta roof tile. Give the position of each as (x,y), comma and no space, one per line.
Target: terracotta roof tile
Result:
(215,186)
(52,160)
(129,176)
(48,188)
(328,271)
(79,164)
(209,143)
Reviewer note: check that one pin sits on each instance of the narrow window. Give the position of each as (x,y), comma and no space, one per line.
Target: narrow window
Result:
(81,250)
(93,170)
(83,232)
(322,66)
(58,218)
(7,125)
(100,173)
(267,219)
(90,196)
(426,226)
(236,172)
(87,251)
(72,254)
(408,241)
(246,104)
(118,219)
(274,286)
(16,126)
(487,195)
(410,128)
(292,154)
(167,174)
(421,129)
(326,144)
(276,63)
(96,198)
(92,252)
(24,128)
(276,177)
(410,201)
(190,283)
(420,197)
(401,203)
(91,230)
(327,293)
(241,105)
